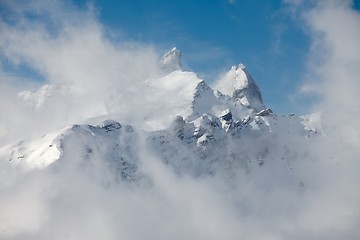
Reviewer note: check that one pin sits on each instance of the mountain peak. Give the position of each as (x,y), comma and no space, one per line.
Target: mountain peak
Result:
(239,84)
(171,60)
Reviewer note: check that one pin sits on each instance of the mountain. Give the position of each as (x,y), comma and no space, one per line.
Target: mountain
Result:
(193,129)
(239,84)
(171,60)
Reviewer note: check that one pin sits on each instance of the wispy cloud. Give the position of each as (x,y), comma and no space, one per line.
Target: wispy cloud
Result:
(67,45)
(333,58)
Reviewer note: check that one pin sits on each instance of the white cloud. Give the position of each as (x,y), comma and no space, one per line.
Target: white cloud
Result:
(333,27)
(334,57)
(70,203)
(67,46)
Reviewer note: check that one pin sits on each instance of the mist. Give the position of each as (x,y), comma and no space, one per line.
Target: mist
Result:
(97,74)
(69,50)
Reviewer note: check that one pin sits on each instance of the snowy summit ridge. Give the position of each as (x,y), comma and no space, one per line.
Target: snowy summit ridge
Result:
(188,125)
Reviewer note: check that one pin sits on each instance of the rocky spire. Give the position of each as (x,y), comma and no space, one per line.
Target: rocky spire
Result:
(239,84)
(171,61)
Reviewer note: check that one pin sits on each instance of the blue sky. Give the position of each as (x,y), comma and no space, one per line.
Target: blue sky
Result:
(214,35)
(267,36)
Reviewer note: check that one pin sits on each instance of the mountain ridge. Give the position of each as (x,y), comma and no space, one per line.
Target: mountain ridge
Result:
(190,127)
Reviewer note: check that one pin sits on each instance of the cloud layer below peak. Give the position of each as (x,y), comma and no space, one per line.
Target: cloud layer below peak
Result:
(62,45)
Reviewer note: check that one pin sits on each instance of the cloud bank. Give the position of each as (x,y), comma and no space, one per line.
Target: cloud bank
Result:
(68,46)
(72,52)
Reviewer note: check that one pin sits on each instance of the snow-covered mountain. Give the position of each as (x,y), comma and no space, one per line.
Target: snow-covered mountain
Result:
(192,128)
(240,85)
(171,60)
